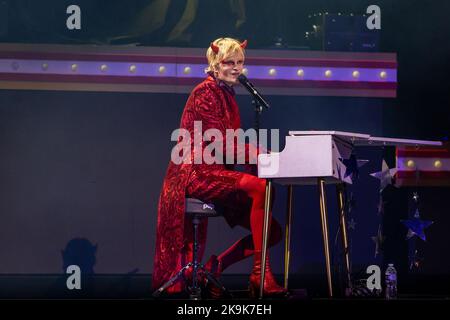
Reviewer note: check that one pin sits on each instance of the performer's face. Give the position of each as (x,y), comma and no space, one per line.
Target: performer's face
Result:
(230,68)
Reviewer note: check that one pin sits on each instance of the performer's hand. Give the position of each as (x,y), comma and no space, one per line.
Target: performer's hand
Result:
(253,152)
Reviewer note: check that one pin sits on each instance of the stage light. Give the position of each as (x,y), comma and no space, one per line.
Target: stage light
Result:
(162,69)
(187,70)
(245,71)
(104,67)
(383,75)
(438,164)
(44,66)
(355,74)
(410,164)
(272,72)
(74,67)
(300,72)
(133,68)
(328,73)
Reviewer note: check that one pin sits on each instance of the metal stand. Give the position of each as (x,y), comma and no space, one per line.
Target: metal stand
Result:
(340,190)
(195,290)
(265,234)
(287,240)
(258,112)
(326,246)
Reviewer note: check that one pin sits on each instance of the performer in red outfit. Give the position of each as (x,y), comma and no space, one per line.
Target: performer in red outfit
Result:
(241,194)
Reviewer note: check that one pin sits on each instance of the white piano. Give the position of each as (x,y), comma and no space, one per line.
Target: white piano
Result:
(317,157)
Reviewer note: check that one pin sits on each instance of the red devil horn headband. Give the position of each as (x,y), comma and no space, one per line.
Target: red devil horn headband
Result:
(214,48)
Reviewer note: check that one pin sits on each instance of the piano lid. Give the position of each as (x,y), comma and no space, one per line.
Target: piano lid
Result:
(383,141)
(360,139)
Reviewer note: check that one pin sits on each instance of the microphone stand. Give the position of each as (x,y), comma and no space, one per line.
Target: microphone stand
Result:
(258,103)
(258,111)
(256,125)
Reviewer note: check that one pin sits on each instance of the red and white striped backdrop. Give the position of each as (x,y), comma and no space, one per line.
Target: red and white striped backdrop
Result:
(423,166)
(178,70)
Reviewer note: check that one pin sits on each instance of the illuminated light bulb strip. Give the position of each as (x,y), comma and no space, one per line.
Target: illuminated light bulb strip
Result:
(194,70)
(90,68)
(423,164)
(319,74)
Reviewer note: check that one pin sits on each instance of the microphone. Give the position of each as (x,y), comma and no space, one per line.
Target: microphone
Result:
(251,88)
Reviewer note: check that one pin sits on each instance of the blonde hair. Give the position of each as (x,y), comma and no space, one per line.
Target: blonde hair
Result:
(227,47)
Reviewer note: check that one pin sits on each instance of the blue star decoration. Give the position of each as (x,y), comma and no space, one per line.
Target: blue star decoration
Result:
(350,203)
(385,175)
(351,224)
(415,261)
(352,165)
(416,226)
(338,170)
(378,239)
(380,207)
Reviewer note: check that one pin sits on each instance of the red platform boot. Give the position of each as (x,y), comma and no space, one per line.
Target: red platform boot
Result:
(271,288)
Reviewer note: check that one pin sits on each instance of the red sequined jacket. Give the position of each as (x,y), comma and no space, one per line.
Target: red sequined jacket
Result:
(214,104)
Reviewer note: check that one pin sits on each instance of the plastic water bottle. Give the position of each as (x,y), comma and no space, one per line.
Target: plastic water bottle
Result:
(391,282)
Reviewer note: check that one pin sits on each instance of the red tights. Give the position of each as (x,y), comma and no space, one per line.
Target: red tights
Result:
(245,247)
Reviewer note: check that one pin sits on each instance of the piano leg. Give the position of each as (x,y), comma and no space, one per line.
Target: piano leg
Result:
(323,215)
(267,206)
(287,242)
(340,188)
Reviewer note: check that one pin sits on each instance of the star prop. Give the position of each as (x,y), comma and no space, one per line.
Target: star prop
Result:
(351,224)
(416,197)
(380,207)
(416,226)
(350,203)
(338,169)
(415,261)
(378,239)
(385,175)
(351,166)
